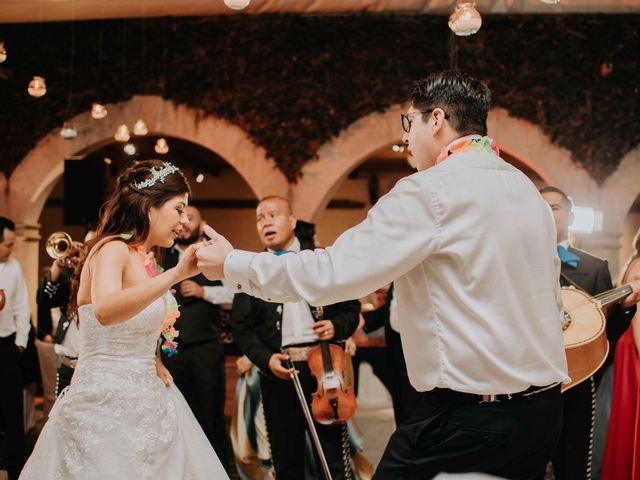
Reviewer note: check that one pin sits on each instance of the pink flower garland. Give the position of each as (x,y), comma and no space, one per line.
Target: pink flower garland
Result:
(169,333)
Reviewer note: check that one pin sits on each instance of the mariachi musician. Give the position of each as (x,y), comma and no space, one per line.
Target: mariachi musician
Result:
(264,330)
(573,458)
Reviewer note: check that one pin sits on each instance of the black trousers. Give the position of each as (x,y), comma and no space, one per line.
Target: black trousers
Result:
(198,371)
(573,457)
(11,406)
(63,378)
(286,427)
(513,439)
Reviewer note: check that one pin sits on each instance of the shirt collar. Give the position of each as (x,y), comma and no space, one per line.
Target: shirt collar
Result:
(294,247)
(565,244)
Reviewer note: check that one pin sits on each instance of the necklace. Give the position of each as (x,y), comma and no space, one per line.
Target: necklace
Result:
(171,312)
(486,144)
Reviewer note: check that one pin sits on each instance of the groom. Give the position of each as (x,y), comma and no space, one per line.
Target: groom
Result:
(476,283)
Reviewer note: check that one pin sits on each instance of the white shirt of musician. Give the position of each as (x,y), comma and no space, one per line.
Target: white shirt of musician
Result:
(70,345)
(297,321)
(471,248)
(15,314)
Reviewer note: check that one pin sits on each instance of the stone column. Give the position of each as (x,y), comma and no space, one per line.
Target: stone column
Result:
(27,253)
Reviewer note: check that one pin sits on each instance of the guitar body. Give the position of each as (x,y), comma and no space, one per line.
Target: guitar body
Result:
(585,338)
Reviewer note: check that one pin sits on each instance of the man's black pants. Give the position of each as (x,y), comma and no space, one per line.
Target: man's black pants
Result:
(286,427)
(11,406)
(513,439)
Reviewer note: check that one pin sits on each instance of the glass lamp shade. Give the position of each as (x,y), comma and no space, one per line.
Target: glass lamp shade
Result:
(3,52)
(140,128)
(465,20)
(237,4)
(37,87)
(68,131)
(98,111)
(122,133)
(162,146)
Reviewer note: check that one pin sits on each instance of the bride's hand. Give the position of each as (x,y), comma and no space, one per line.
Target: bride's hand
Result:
(187,267)
(163,373)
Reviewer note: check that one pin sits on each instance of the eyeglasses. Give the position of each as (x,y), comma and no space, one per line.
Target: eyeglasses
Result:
(406,118)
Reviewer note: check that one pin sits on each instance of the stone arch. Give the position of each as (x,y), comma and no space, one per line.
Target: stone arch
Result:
(337,158)
(33,179)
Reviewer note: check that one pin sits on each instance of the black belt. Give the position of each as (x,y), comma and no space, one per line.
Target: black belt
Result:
(451,396)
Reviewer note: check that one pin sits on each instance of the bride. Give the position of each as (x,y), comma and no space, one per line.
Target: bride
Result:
(118,419)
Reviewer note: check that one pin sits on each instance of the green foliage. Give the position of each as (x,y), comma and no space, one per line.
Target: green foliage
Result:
(294,82)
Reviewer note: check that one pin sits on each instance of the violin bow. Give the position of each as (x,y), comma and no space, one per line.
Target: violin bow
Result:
(309,418)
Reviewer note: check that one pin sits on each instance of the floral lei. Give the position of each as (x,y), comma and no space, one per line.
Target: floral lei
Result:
(170,346)
(486,144)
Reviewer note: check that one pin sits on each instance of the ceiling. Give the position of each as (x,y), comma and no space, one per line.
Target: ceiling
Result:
(21,11)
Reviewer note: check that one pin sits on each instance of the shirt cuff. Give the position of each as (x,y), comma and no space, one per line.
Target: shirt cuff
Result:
(236,271)
(21,340)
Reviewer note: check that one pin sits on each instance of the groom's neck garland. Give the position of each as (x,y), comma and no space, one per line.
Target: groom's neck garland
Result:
(486,144)
(170,346)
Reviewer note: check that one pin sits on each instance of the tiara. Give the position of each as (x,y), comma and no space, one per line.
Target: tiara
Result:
(157,174)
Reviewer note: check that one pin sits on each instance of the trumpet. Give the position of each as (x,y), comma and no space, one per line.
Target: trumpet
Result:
(63,249)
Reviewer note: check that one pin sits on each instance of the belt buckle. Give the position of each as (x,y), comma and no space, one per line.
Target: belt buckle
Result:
(491,398)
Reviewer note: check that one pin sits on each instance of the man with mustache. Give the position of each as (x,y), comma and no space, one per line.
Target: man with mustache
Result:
(262,328)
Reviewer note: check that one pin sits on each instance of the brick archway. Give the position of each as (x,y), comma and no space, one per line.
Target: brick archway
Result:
(32,181)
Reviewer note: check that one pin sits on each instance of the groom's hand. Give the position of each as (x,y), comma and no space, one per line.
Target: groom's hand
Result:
(212,254)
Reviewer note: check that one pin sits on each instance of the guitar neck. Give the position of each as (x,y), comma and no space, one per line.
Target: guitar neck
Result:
(610,296)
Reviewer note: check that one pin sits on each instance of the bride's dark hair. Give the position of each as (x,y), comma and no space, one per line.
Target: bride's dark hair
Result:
(126,212)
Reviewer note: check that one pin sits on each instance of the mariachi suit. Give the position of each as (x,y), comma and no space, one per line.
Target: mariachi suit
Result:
(50,295)
(257,330)
(198,369)
(573,456)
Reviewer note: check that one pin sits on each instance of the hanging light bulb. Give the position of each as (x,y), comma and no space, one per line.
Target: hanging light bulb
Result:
(161,146)
(129,149)
(3,52)
(122,133)
(37,87)
(98,111)
(237,4)
(140,128)
(465,19)
(68,131)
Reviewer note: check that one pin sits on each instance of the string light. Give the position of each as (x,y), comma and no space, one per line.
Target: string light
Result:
(237,4)
(3,52)
(98,111)
(161,146)
(37,87)
(122,133)
(465,19)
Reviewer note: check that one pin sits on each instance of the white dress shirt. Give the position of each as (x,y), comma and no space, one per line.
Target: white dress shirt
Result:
(297,321)
(15,317)
(471,247)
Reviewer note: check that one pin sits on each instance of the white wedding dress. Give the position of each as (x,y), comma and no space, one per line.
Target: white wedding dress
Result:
(117,420)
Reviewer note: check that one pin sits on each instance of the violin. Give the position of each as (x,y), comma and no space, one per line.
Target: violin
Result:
(333,402)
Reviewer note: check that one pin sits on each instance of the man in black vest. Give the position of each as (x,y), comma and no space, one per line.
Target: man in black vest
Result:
(198,368)
(573,459)
(261,329)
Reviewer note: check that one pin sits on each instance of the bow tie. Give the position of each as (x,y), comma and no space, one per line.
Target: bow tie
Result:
(567,257)
(281,252)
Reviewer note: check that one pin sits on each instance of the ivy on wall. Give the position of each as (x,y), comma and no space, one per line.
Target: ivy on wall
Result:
(293,82)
